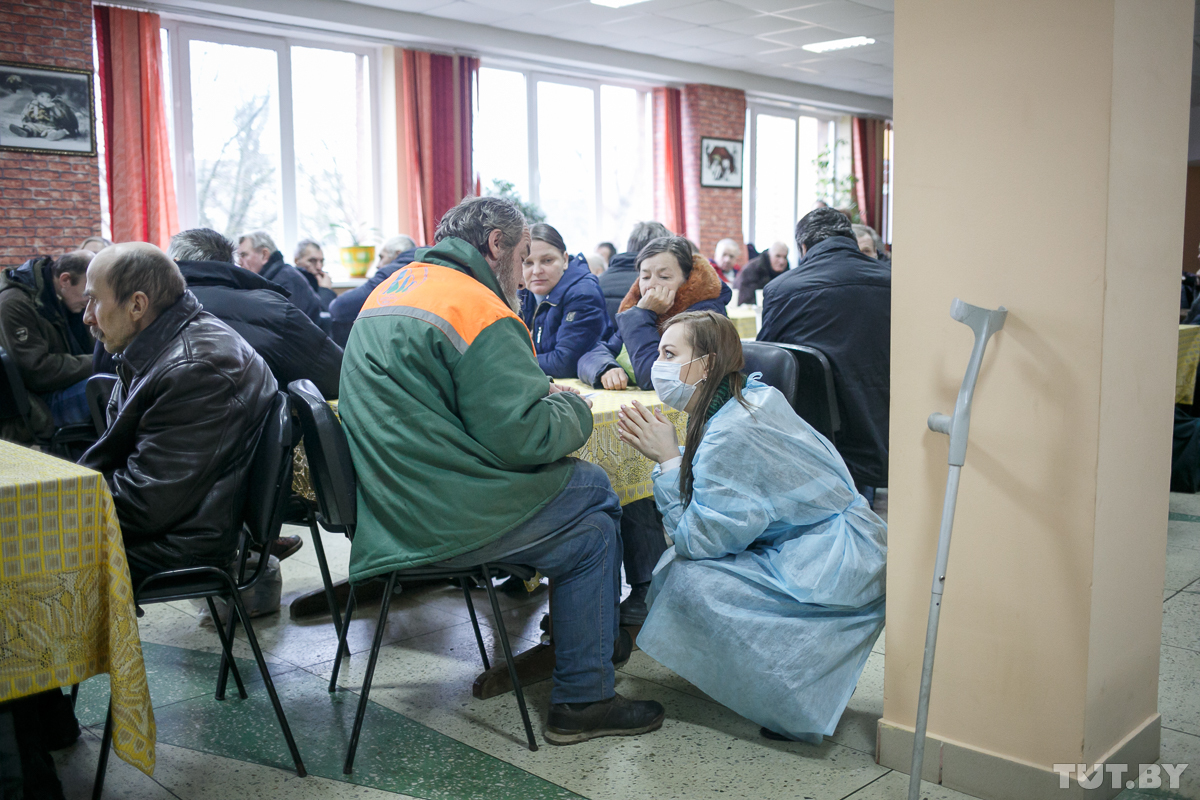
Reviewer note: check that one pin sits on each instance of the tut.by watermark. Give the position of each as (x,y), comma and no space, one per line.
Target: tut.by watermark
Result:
(1149,776)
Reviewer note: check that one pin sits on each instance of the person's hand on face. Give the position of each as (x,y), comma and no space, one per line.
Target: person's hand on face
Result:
(555,388)
(615,380)
(324,281)
(648,432)
(658,299)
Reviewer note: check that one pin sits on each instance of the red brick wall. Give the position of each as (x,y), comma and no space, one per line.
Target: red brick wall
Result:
(712,214)
(48,203)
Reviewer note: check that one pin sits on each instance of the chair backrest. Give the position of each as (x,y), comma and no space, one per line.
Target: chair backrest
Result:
(328,452)
(777,365)
(816,400)
(270,479)
(14,399)
(99,390)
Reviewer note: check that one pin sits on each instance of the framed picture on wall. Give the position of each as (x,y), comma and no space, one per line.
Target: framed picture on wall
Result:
(47,110)
(721,163)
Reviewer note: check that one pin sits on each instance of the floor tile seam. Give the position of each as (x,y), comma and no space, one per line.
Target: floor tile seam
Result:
(86,729)
(868,783)
(1175,592)
(291,665)
(1179,516)
(1185,733)
(1178,647)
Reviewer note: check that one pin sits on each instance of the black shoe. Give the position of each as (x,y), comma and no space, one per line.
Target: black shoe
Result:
(633,608)
(285,546)
(572,723)
(622,648)
(775,737)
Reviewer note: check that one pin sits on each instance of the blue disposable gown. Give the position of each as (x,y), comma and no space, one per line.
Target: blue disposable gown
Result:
(773,594)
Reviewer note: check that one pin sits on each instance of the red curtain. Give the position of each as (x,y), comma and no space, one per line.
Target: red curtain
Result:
(867,145)
(141,188)
(668,152)
(436,105)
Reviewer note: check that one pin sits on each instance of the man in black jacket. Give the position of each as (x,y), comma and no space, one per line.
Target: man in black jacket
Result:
(759,271)
(839,301)
(622,268)
(288,341)
(42,330)
(183,418)
(256,251)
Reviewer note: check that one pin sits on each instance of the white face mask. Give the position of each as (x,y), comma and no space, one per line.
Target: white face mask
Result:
(668,385)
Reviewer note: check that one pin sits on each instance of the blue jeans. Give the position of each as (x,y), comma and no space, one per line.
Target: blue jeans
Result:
(69,406)
(575,540)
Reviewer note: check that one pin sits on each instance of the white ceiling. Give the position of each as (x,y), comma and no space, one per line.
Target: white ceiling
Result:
(762,37)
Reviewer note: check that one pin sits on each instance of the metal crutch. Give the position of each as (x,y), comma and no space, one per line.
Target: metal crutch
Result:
(984,322)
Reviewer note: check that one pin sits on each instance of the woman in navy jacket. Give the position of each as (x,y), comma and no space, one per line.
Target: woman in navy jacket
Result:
(670,281)
(561,304)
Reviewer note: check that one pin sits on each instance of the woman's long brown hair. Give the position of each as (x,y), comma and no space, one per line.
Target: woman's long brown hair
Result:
(710,334)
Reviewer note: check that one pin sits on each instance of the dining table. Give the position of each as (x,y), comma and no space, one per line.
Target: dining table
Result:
(1187,357)
(66,601)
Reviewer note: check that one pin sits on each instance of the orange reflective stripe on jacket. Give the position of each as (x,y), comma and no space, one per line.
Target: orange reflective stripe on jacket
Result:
(452,301)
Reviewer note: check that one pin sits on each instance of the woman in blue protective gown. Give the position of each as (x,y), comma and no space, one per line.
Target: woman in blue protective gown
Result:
(773,593)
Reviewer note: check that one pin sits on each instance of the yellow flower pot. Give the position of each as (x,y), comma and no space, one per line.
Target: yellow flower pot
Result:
(358,259)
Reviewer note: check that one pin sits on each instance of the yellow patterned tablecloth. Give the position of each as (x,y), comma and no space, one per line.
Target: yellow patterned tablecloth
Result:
(628,470)
(1185,364)
(745,318)
(65,598)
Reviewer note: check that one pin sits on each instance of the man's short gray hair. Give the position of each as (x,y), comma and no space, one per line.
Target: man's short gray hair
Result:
(149,271)
(644,233)
(867,230)
(473,219)
(397,245)
(258,240)
(201,244)
(303,245)
(821,224)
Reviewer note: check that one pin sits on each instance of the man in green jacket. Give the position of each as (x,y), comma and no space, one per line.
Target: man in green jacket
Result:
(460,444)
(42,329)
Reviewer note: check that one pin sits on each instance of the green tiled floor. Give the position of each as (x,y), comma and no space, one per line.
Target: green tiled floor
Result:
(426,737)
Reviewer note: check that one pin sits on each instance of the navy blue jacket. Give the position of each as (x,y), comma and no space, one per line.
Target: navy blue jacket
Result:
(344,310)
(616,280)
(569,322)
(637,330)
(839,301)
(277,271)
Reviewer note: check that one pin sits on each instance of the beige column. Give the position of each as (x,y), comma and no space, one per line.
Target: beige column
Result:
(1041,162)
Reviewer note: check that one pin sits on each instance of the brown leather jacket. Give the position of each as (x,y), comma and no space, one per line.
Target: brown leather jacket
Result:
(182,425)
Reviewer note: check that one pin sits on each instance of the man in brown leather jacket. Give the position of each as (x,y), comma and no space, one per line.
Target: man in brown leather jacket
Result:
(182,420)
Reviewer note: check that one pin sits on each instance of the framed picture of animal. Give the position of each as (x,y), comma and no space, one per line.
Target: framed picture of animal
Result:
(46,109)
(721,163)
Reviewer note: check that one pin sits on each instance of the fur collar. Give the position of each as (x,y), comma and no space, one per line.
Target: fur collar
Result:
(702,284)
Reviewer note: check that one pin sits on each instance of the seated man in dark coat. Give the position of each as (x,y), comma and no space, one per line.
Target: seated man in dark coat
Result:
(183,418)
(839,301)
(622,269)
(310,261)
(288,341)
(256,251)
(395,253)
(43,332)
(759,271)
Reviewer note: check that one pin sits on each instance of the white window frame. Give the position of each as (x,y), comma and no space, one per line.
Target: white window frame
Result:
(179,35)
(532,77)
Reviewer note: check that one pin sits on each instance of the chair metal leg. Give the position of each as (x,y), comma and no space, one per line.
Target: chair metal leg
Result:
(342,647)
(230,629)
(105,744)
(226,654)
(384,604)
(508,656)
(330,597)
(74,694)
(475,624)
(266,676)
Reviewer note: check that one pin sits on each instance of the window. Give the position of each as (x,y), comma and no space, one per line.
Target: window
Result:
(275,135)
(579,150)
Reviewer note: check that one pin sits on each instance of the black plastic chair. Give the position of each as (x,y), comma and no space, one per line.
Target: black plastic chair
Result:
(814,399)
(335,485)
(99,391)
(777,365)
(15,402)
(268,482)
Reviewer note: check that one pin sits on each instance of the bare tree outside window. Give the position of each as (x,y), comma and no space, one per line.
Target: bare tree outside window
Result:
(236,190)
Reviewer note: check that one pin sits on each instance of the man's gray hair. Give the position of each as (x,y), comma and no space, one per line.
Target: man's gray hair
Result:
(473,219)
(303,245)
(201,244)
(397,245)
(259,240)
(867,230)
(644,233)
(820,224)
(149,271)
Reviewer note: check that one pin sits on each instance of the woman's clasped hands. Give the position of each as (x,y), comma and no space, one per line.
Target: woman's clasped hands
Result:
(648,432)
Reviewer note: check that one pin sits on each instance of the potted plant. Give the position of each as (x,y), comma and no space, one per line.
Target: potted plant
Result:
(357,257)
